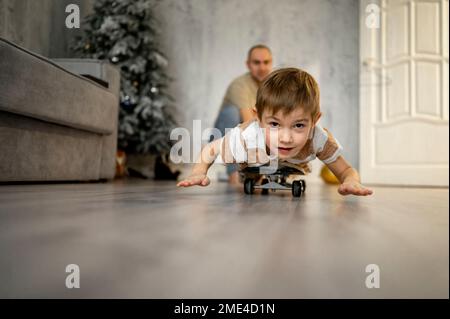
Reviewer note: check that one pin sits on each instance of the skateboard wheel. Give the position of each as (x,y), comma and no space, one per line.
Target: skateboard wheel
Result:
(303,185)
(264,191)
(296,189)
(249,186)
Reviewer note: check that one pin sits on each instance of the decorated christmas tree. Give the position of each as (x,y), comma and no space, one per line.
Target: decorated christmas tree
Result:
(125,32)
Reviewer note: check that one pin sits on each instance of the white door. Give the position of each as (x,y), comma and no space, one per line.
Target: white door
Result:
(404,104)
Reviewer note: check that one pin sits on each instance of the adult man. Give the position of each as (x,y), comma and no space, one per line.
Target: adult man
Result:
(240,96)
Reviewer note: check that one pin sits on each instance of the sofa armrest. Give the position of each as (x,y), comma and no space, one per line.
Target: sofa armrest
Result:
(109,73)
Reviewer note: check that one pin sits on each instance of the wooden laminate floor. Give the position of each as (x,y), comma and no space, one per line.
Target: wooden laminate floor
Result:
(146,239)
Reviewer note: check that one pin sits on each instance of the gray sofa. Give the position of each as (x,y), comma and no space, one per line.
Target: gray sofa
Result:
(56,125)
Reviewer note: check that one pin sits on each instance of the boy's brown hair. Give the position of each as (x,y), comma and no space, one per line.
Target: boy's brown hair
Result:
(287,89)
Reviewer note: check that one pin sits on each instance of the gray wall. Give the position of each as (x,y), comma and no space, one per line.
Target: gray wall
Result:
(39,25)
(27,23)
(207,41)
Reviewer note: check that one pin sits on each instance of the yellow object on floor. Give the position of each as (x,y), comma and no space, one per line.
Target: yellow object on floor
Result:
(328,175)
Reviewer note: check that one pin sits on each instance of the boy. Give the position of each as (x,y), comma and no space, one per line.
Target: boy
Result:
(285,128)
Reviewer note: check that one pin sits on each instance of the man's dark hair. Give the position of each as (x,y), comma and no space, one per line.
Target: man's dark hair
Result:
(257,46)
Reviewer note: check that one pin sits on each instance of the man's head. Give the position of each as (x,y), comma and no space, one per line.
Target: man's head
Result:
(288,107)
(259,61)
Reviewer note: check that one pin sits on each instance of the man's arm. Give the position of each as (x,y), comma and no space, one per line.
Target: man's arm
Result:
(207,157)
(239,95)
(348,177)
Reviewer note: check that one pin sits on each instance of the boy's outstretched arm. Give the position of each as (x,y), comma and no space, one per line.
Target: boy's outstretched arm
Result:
(206,158)
(348,177)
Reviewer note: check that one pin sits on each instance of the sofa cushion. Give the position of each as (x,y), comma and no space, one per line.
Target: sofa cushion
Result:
(34,86)
(101,69)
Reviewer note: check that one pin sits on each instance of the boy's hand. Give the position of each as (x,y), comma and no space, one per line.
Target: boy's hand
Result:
(354,188)
(196,179)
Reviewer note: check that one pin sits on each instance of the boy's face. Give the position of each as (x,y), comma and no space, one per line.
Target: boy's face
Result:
(287,134)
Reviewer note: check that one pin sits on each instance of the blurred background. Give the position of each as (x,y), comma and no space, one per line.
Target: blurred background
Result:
(206,42)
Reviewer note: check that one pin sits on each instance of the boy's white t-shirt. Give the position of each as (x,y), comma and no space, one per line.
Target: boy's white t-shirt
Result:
(240,144)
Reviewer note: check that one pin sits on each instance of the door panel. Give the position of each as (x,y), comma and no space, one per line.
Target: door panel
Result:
(404,93)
